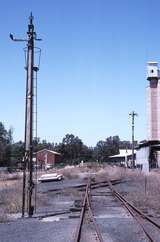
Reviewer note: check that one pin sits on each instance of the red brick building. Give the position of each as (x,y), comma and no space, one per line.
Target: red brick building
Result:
(47,157)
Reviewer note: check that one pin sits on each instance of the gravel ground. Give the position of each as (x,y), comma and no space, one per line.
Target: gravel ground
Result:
(30,230)
(114,221)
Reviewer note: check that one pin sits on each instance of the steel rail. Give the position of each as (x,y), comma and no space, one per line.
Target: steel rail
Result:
(138,210)
(87,205)
(138,219)
(138,215)
(82,187)
(79,227)
(100,184)
(94,221)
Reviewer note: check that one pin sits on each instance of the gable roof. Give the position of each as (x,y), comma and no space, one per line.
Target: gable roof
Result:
(50,151)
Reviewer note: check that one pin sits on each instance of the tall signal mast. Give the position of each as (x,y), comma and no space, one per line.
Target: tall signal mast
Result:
(29,113)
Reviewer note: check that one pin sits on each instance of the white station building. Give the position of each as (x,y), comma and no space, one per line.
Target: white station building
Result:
(123,158)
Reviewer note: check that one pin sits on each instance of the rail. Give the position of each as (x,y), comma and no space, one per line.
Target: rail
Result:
(136,213)
(87,206)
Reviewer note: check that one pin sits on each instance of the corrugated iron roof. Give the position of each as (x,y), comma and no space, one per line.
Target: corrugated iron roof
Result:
(123,153)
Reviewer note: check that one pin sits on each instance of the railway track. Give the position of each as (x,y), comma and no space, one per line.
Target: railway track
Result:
(86,208)
(141,219)
(82,187)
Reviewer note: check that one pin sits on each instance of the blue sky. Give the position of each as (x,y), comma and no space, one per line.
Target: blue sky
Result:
(93,65)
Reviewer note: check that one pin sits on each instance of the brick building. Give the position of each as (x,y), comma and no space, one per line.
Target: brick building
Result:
(47,158)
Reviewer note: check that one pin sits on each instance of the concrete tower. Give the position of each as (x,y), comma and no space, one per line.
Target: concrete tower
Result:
(148,152)
(153,101)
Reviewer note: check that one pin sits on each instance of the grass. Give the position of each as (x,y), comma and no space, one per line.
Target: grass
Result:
(70,172)
(10,196)
(144,191)
(111,172)
(3,217)
(10,176)
(96,169)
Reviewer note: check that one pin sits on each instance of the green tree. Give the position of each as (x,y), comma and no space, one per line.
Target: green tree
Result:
(101,151)
(17,152)
(125,144)
(40,145)
(106,148)
(5,145)
(71,149)
(87,153)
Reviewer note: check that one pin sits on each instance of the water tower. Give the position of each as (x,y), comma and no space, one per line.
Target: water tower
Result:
(148,151)
(153,101)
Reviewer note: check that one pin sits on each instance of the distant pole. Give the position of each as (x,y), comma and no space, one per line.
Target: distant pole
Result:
(133,114)
(28,158)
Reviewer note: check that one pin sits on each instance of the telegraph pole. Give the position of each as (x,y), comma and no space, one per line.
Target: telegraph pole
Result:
(133,114)
(28,158)
(29,129)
